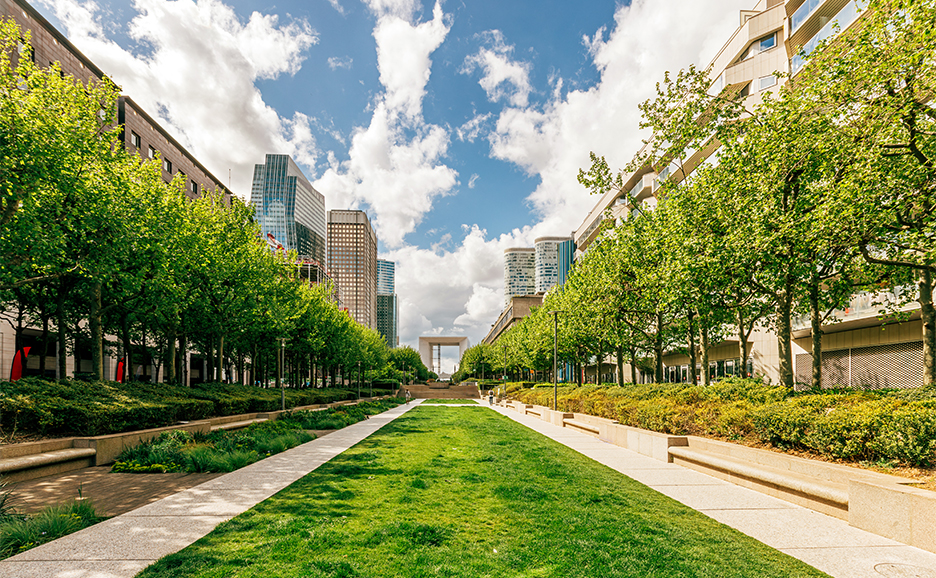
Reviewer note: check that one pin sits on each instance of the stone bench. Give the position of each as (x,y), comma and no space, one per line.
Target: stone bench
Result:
(20,468)
(236,425)
(582,426)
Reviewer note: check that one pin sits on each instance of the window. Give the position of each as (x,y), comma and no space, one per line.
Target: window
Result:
(167,165)
(766,82)
(135,139)
(760,45)
(193,186)
(152,153)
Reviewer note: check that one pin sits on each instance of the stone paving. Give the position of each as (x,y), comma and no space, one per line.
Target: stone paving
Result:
(122,546)
(824,542)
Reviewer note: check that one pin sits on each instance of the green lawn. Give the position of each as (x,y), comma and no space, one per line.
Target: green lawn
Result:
(453,401)
(445,492)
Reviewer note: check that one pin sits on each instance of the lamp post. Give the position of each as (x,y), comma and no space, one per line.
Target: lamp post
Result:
(505,369)
(279,372)
(555,315)
(359,380)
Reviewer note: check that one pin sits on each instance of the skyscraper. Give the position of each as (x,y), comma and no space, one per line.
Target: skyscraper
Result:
(388,308)
(547,262)
(519,272)
(352,261)
(566,258)
(288,207)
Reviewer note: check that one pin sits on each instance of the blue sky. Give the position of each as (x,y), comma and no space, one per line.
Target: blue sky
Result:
(458,125)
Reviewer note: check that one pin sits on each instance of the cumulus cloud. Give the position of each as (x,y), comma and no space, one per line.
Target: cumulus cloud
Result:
(340,62)
(394,165)
(552,141)
(501,77)
(196,71)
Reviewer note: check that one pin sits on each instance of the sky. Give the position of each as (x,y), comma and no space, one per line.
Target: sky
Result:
(459,126)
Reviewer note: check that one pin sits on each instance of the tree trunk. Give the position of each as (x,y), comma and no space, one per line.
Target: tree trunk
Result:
(633,364)
(221,358)
(815,318)
(658,350)
(183,361)
(43,353)
(706,373)
(620,366)
(128,374)
(170,361)
(97,335)
(928,314)
(784,313)
(693,361)
(62,353)
(742,341)
(208,374)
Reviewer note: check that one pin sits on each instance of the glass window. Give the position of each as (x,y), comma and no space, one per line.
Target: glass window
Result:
(193,187)
(167,165)
(152,153)
(135,139)
(767,81)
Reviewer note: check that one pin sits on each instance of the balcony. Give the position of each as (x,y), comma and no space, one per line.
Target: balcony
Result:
(819,24)
(864,310)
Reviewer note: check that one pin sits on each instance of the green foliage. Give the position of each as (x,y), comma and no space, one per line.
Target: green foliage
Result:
(23,533)
(103,407)
(842,424)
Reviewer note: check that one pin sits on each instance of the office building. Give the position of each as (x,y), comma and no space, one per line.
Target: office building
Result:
(352,261)
(566,258)
(547,262)
(388,307)
(519,272)
(288,208)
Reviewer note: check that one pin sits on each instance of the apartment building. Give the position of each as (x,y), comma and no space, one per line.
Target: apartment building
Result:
(140,133)
(519,272)
(547,262)
(857,349)
(352,260)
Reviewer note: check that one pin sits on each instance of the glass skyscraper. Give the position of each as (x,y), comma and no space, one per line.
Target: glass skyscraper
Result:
(288,207)
(388,308)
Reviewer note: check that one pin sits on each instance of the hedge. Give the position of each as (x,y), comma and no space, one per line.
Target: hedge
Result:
(73,407)
(854,425)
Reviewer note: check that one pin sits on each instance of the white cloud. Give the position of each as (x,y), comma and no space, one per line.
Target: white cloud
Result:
(196,73)
(502,78)
(337,6)
(471,129)
(395,164)
(340,62)
(552,142)
(472,181)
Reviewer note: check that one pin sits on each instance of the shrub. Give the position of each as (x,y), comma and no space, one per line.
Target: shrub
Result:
(26,532)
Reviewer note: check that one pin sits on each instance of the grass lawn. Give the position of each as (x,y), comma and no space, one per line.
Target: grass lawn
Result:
(444,492)
(453,401)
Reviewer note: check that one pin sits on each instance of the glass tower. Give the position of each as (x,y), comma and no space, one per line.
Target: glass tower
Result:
(288,207)
(388,308)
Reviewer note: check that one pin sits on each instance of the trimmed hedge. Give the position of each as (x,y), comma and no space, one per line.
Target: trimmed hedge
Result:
(72,407)
(882,425)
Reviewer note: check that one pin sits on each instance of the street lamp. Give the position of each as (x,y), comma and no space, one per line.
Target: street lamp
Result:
(505,368)
(279,372)
(555,315)
(359,380)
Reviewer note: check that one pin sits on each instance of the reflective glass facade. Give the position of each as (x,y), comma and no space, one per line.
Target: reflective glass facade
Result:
(288,207)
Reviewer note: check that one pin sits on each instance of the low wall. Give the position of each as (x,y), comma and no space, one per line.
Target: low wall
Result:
(885,505)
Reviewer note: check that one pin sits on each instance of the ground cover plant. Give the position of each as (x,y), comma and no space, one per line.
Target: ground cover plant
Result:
(20,533)
(453,401)
(226,451)
(74,407)
(446,492)
(897,426)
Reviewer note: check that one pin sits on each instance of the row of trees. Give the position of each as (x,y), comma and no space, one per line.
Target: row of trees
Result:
(822,190)
(94,242)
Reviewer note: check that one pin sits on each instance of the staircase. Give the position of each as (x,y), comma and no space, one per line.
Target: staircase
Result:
(450,392)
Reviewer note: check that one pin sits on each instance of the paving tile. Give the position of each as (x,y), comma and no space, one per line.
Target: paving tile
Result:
(723,497)
(74,569)
(126,538)
(869,561)
(673,477)
(206,502)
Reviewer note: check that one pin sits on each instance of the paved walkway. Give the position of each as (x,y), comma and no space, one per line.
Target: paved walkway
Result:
(824,542)
(122,546)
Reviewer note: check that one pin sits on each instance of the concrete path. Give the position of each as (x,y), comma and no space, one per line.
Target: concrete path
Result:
(824,542)
(122,546)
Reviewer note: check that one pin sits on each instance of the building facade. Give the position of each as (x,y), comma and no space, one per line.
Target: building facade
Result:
(352,261)
(519,272)
(566,258)
(388,307)
(546,262)
(288,207)
(142,135)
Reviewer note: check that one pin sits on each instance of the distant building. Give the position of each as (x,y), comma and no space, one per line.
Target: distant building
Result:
(288,207)
(388,307)
(519,272)
(547,262)
(352,261)
(566,258)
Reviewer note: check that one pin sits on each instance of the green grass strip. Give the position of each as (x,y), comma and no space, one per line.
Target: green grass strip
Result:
(448,493)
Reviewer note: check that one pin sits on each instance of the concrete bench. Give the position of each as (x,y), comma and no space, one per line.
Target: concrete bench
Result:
(235,425)
(21,468)
(580,425)
(781,483)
